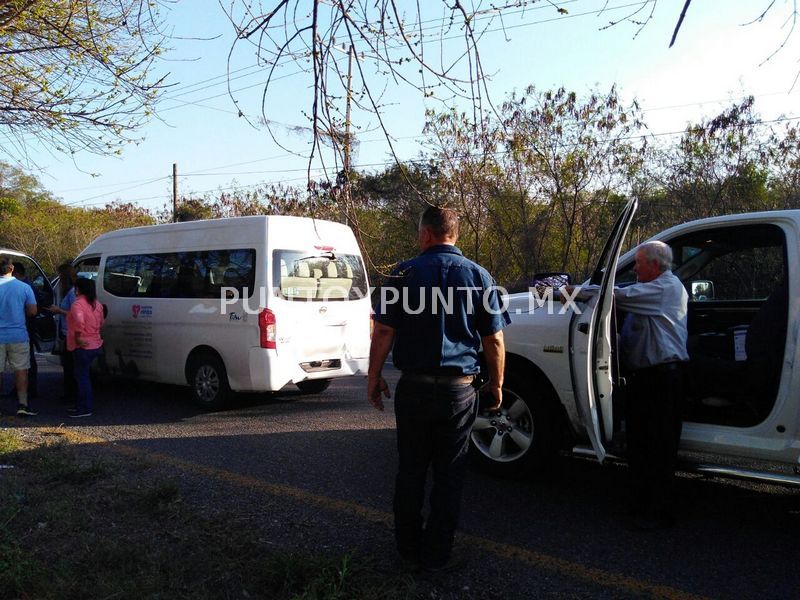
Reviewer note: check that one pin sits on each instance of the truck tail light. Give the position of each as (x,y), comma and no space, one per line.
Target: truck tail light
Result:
(266,328)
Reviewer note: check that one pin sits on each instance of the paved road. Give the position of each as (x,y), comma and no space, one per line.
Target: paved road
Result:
(316,472)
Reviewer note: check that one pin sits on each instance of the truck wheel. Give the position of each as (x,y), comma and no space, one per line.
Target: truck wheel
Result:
(209,381)
(520,438)
(313,386)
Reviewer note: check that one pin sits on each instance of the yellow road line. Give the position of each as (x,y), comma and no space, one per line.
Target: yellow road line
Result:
(535,559)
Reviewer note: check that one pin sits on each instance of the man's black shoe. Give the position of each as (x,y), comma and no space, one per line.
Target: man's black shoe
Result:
(451,564)
(408,565)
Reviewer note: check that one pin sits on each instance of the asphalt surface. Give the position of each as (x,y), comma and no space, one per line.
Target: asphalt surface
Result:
(317,473)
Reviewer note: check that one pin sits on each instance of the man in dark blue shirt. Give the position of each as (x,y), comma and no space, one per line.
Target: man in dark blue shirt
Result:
(434,313)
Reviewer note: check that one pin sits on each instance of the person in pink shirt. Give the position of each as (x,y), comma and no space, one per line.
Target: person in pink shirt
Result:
(84,320)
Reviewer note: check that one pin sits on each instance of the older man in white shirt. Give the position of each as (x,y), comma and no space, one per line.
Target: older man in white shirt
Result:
(653,350)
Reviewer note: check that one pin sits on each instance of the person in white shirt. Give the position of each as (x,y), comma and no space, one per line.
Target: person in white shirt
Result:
(653,350)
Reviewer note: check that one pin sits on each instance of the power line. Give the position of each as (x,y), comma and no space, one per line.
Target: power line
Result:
(245,72)
(328,173)
(133,187)
(440,23)
(217,189)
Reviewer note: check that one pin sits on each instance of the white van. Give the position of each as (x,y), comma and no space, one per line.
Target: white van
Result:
(742,274)
(242,304)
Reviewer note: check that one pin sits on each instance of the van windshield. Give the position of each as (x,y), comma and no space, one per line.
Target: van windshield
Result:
(299,275)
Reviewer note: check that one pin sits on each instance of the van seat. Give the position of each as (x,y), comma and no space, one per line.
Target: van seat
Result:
(301,286)
(334,288)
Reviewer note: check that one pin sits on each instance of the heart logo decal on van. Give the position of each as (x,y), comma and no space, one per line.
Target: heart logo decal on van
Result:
(136,308)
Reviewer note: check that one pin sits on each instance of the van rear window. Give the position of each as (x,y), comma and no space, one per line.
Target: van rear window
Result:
(196,274)
(318,277)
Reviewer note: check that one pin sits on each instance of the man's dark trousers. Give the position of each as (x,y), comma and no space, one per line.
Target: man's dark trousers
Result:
(653,431)
(70,384)
(434,421)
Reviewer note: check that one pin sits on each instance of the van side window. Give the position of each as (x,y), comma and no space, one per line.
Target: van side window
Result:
(88,267)
(121,277)
(191,274)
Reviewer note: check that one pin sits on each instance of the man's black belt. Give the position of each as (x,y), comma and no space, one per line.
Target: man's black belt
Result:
(663,367)
(439,379)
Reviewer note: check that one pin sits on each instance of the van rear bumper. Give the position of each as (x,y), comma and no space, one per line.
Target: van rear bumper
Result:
(270,372)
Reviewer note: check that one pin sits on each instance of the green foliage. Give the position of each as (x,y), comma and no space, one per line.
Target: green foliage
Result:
(193,209)
(77,74)
(540,189)
(40,226)
(389,205)
(537,189)
(9,442)
(537,182)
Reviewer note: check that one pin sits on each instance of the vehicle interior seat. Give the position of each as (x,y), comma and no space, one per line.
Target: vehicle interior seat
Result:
(334,287)
(301,285)
(751,385)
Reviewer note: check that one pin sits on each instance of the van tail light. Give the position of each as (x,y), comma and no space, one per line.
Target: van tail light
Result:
(371,322)
(266,328)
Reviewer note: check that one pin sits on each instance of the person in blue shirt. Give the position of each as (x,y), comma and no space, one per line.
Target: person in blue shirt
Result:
(17,302)
(33,371)
(435,312)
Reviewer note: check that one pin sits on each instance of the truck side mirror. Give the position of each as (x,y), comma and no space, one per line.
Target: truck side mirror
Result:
(701,290)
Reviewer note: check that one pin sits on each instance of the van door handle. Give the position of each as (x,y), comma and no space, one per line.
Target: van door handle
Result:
(583,328)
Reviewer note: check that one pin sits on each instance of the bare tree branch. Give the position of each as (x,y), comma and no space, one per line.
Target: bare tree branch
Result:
(680,22)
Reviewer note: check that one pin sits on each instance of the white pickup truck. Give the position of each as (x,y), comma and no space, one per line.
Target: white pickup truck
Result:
(563,385)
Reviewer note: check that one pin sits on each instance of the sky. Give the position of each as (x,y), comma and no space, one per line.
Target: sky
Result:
(715,60)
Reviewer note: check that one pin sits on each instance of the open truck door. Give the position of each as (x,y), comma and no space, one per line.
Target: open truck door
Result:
(591,342)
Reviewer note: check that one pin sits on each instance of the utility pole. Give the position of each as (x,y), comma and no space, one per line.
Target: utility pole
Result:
(174,191)
(346,158)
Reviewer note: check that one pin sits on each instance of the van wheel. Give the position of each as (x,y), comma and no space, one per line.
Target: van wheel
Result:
(209,381)
(522,436)
(313,386)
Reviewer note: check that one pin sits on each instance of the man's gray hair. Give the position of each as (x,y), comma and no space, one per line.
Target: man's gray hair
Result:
(660,252)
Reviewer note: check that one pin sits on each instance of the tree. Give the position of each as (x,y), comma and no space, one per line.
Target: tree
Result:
(784,153)
(388,207)
(719,166)
(77,74)
(36,223)
(432,47)
(17,189)
(542,179)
